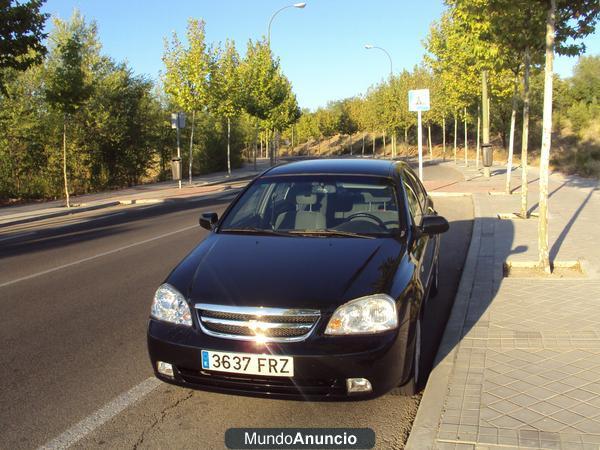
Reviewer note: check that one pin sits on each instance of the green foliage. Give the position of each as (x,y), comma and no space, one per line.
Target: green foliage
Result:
(118,131)
(21,36)
(225,86)
(265,88)
(585,83)
(187,69)
(67,85)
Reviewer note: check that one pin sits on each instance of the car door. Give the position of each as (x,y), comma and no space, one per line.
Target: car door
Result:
(417,245)
(424,245)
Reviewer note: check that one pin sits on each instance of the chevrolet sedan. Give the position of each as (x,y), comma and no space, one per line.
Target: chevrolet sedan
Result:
(312,285)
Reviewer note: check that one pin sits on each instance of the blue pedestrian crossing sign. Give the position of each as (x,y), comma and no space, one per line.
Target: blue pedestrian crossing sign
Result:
(418,100)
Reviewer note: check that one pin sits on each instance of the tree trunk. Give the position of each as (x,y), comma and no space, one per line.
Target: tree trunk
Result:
(275,145)
(525,135)
(68,204)
(455,135)
(384,144)
(255,149)
(511,139)
(466,140)
(268,147)
(485,119)
(429,141)
(478,149)
(374,138)
(292,152)
(406,139)
(444,138)
(363,145)
(191,147)
(544,257)
(228,146)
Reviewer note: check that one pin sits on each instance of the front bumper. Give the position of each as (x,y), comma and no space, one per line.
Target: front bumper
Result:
(321,364)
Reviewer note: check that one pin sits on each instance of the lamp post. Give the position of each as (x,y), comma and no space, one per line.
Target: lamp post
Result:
(294,5)
(369,47)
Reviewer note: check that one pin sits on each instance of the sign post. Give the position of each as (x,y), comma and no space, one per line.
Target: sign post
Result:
(418,100)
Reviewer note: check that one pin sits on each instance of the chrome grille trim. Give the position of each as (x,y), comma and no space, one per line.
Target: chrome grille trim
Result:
(243,322)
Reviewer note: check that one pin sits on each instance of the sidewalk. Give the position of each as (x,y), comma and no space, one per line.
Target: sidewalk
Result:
(145,193)
(519,364)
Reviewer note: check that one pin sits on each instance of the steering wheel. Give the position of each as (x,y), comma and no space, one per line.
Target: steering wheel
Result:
(373,217)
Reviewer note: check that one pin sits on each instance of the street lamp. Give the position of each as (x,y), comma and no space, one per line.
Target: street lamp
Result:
(369,47)
(295,5)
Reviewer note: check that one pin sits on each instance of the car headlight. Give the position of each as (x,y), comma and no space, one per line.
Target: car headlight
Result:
(170,306)
(370,314)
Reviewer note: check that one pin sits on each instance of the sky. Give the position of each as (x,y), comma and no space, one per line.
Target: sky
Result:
(321,47)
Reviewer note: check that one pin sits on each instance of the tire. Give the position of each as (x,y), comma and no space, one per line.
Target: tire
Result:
(411,387)
(435,281)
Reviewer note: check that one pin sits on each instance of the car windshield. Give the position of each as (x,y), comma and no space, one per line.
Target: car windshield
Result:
(316,206)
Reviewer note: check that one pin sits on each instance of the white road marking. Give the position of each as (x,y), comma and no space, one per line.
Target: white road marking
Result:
(102,415)
(90,258)
(15,236)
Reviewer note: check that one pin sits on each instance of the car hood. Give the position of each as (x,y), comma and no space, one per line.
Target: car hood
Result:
(297,272)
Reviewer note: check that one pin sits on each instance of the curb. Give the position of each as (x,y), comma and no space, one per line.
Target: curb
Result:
(449,194)
(60,213)
(141,201)
(426,424)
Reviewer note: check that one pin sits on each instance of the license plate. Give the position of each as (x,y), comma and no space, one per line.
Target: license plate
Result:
(248,363)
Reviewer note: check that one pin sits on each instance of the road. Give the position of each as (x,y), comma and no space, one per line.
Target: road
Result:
(75,294)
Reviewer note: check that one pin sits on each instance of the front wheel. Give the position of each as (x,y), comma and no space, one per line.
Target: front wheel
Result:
(412,386)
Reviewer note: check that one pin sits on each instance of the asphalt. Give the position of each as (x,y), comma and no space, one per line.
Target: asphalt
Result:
(75,294)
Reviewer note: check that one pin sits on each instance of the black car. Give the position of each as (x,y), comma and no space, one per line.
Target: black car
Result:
(311,286)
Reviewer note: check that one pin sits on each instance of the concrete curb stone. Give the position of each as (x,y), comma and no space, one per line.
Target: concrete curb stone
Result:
(426,424)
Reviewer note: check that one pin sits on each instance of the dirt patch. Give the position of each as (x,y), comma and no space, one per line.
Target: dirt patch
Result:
(529,269)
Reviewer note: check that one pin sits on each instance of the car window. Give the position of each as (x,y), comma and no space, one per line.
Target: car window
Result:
(417,187)
(318,202)
(248,212)
(413,203)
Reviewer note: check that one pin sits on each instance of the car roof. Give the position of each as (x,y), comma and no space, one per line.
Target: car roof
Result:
(346,166)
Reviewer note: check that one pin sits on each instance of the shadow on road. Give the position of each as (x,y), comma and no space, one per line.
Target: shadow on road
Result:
(65,235)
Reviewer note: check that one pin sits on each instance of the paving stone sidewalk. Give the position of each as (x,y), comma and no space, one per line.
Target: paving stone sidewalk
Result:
(519,364)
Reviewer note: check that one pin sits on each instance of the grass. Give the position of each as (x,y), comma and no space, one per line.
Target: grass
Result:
(571,153)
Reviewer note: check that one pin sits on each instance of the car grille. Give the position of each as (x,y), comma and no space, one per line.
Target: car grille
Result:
(297,388)
(249,323)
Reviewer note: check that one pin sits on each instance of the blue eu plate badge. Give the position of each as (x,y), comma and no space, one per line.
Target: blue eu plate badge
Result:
(205,360)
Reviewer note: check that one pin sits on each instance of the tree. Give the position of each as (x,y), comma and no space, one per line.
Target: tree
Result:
(265,87)
(453,57)
(225,89)
(516,27)
(66,87)
(568,19)
(21,36)
(186,78)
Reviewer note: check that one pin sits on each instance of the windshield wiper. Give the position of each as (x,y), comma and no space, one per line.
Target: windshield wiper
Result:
(331,232)
(252,230)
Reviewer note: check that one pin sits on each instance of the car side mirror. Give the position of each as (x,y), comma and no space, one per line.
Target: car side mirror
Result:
(434,225)
(208,220)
